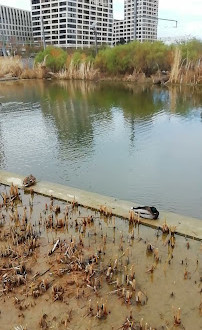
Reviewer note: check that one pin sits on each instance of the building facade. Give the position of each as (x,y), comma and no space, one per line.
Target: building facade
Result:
(119,32)
(146,20)
(69,23)
(140,21)
(15,26)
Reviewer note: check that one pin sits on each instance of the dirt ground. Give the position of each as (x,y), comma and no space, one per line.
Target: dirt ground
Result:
(66,267)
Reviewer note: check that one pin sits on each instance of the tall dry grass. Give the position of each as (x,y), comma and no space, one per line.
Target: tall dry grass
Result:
(11,65)
(175,67)
(191,73)
(38,72)
(83,71)
(185,70)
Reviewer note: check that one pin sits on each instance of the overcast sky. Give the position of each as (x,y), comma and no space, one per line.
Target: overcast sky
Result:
(188,13)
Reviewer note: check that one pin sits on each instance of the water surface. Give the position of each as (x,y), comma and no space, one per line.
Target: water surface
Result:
(132,142)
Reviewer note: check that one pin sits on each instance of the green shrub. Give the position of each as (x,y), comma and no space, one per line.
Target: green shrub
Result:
(77,59)
(191,50)
(151,57)
(55,58)
(81,57)
(146,57)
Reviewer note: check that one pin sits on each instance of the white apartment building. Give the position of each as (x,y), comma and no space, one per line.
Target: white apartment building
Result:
(69,23)
(118,33)
(129,19)
(146,19)
(15,26)
(140,21)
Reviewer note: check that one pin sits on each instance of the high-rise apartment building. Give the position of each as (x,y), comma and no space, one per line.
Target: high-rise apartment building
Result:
(69,23)
(130,13)
(119,31)
(15,26)
(140,21)
(146,19)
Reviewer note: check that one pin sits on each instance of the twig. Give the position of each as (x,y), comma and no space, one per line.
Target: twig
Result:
(54,247)
(111,292)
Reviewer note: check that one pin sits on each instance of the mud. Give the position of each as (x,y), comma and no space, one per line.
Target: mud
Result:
(67,267)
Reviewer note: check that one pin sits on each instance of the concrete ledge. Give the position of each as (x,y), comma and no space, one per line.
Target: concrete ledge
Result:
(8,78)
(185,226)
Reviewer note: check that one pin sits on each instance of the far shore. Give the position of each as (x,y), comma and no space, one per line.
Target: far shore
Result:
(146,62)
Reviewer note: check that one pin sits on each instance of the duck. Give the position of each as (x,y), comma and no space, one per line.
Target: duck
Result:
(29,181)
(146,212)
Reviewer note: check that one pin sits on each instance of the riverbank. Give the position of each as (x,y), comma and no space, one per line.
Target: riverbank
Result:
(63,266)
(185,226)
(13,69)
(153,62)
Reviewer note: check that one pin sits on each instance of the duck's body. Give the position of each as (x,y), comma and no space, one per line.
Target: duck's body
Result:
(146,212)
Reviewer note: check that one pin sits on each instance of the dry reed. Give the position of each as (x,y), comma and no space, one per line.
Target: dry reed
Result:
(11,65)
(81,71)
(174,74)
(184,71)
(38,72)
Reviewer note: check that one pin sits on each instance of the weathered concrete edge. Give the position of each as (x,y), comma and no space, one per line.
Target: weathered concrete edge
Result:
(185,226)
(9,79)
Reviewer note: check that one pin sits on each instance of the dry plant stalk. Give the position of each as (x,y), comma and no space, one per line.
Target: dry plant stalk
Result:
(38,72)
(11,65)
(175,67)
(82,71)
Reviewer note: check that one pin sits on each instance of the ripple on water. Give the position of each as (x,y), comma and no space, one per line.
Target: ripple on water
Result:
(141,144)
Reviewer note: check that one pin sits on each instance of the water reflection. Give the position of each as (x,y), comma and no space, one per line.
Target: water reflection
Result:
(133,142)
(2,155)
(71,118)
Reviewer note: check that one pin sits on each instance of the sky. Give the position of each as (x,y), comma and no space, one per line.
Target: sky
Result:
(188,14)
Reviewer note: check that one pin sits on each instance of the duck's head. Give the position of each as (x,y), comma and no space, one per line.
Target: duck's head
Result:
(155,212)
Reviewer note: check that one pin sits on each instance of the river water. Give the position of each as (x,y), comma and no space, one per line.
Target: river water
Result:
(136,143)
